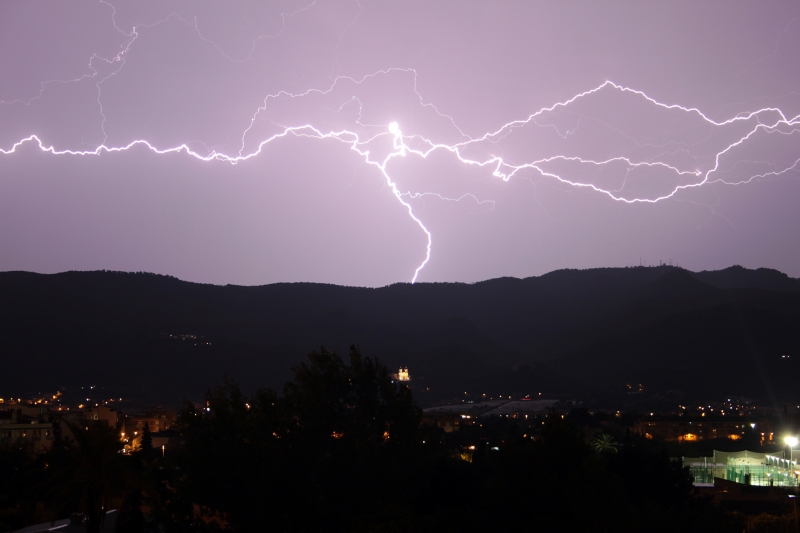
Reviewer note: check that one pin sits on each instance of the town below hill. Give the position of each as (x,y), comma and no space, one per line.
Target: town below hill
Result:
(346,444)
(635,338)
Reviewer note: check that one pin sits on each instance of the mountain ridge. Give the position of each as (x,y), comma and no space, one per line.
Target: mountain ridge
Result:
(113,328)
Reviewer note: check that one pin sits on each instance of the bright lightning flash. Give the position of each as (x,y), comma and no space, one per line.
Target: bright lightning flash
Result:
(770,121)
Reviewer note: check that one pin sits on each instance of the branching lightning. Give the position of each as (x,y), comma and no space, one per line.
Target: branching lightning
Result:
(768,120)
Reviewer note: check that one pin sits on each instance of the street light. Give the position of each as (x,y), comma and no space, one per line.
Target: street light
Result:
(792,442)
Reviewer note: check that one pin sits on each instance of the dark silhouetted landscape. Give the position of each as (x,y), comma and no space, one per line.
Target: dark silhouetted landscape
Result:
(580,332)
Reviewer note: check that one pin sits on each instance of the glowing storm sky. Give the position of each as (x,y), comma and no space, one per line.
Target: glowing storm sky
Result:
(369,142)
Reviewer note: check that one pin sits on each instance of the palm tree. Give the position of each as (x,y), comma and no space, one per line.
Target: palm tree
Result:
(604,444)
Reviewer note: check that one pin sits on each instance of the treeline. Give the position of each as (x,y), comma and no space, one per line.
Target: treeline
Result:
(342,449)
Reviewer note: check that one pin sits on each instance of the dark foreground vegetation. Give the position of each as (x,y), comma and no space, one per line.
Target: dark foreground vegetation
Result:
(342,449)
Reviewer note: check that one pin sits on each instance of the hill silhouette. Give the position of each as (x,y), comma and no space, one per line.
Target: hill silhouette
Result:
(582,332)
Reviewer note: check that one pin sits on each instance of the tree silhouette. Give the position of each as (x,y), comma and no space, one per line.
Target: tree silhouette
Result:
(329,451)
(14,510)
(92,473)
(351,405)
(147,441)
(342,450)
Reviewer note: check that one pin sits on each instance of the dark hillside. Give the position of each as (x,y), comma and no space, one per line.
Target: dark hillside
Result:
(567,331)
(737,277)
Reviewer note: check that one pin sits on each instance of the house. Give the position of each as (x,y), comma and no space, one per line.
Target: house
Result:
(16,426)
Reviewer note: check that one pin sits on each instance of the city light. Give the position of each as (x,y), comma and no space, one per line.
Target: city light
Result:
(792,442)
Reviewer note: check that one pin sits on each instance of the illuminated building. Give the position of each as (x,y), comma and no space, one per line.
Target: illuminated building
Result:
(694,428)
(745,467)
(449,422)
(17,425)
(102,413)
(156,420)
(402,374)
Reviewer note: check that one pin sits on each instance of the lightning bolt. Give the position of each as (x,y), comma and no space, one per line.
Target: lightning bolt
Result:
(768,120)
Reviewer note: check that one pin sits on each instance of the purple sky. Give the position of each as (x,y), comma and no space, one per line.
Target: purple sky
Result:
(485,158)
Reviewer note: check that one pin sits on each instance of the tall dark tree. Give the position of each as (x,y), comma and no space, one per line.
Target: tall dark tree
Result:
(327,451)
(93,473)
(147,441)
(14,463)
